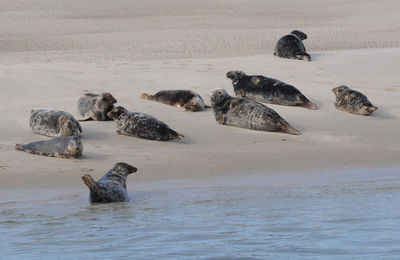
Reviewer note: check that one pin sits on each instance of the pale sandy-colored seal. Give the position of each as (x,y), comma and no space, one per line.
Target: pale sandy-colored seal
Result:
(352,101)
(246,113)
(95,107)
(186,99)
(64,147)
(112,186)
(291,46)
(54,123)
(141,125)
(267,90)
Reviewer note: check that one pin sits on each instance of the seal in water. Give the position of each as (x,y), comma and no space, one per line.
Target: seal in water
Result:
(141,125)
(112,186)
(95,107)
(268,90)
(64,147)
(246,113)
(54,123)
(186,99)
(352,101)
(291,46)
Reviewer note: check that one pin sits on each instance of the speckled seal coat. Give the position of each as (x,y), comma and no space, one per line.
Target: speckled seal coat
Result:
(64,147)
(95,107)
(291,46)
(54,123)
(246,113)
(268,90)
(352,101)
(186,99)
(112,186)
(141,125)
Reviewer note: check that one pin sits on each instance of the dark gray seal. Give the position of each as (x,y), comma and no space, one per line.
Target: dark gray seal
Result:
(246,113)
(291,46)
(141,125)
(64,147)
(54,123)
(186,99)
(352,101)
(95,107)
(268,90)
(112,186)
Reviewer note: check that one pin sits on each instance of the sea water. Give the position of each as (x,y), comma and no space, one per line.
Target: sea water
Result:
(353,219)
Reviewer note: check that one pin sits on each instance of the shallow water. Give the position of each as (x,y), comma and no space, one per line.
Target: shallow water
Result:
(357,219)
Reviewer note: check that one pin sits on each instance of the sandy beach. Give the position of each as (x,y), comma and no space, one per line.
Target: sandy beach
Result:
(57,50)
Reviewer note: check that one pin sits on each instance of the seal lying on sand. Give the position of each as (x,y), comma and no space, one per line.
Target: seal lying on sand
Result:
(352,101)
(54,123)
(95,107)
(64,147)
(267,90)
(186,99)
(246,113)
(291,46)
(112,186)
(141,125)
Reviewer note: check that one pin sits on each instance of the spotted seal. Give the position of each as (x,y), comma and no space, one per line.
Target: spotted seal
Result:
(54,123)
(112,186)
(186,99)
(141,125)
(268,90)
(64,147)
(246,113)
(352,101)
(95,106)
(291,46)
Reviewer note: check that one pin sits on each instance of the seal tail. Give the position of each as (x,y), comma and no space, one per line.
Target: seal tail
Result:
(19,147)
(286,128)
(174,135)
(89,181)
(307,103)
(147,96)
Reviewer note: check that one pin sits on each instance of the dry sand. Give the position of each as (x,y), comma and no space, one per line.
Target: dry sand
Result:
(51,51)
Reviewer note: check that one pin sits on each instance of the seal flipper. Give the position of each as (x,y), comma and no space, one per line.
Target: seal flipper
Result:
(303,56)
(286,128)
(174,135)
(307,103)
(90,182)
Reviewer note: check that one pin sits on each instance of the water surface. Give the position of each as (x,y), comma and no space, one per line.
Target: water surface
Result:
(356,219)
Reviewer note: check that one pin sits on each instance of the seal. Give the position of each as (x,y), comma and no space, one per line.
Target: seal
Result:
(186,99)
(63,147)
(95,106)
(112,186)
(141,125)
(352,101)
(246,113)
(54,123)
(291,46)
(267,90)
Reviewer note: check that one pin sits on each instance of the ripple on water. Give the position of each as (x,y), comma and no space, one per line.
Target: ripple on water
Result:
(358,219)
